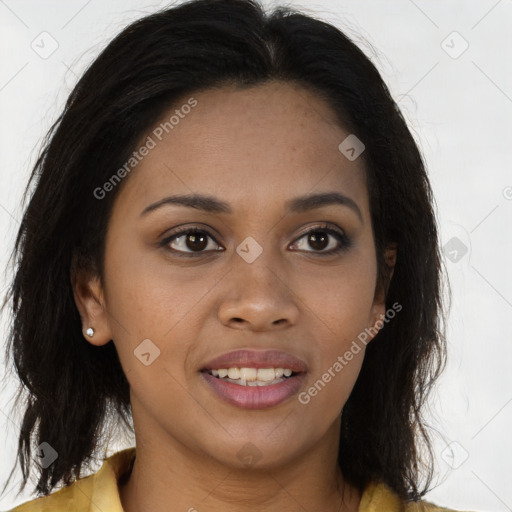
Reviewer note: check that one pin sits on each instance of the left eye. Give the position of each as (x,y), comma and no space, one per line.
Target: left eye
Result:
(318,237)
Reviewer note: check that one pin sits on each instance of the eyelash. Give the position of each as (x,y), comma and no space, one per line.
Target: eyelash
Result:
(342,238)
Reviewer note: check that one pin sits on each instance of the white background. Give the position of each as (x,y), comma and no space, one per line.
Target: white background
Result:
(460,110)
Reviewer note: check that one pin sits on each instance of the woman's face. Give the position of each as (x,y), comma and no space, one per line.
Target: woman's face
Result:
(252,280)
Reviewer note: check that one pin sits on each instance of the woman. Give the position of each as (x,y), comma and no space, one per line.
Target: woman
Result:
(231,242)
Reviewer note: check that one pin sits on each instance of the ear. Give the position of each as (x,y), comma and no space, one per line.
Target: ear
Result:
(90,302)
(378,310)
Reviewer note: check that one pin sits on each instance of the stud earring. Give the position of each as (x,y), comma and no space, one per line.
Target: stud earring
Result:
(90,332)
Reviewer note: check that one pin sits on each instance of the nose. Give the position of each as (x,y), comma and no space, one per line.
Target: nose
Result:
(258,297)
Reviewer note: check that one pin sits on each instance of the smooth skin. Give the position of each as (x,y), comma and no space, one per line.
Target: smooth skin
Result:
(254,148)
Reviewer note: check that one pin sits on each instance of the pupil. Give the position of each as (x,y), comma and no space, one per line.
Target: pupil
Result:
(314,240)
(195,238)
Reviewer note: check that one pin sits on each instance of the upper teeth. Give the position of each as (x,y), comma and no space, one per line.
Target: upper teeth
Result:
(251,374)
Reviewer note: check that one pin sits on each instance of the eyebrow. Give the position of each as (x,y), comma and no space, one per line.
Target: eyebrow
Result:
(297,205)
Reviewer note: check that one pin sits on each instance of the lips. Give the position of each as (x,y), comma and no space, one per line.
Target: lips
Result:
(254,397)
(257,359)
(247,397)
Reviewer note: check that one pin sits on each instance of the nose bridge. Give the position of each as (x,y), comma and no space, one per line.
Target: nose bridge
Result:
(257,293)
(256,265)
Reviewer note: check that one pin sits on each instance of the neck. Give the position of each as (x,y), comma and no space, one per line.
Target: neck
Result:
(168,476)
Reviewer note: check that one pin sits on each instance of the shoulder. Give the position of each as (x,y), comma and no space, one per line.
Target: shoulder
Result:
(71,497)
(100,489)
(378,497)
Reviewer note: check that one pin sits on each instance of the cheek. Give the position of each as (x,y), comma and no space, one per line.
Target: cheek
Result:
(147,295)
(342,306)
(329,385)
(342,300)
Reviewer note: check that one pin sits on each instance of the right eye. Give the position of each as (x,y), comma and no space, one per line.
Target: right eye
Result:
(189,242)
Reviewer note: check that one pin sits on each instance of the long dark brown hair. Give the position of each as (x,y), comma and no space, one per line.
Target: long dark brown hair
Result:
(71,388)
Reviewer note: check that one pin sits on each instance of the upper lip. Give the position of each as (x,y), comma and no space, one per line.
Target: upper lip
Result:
(249,358)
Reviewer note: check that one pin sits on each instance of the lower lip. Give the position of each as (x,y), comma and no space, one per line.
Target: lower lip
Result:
(255,397)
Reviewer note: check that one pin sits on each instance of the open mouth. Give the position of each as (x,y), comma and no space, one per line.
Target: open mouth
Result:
(254,388)
(252,377)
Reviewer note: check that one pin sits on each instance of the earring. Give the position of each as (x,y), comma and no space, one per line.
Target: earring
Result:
(90,332)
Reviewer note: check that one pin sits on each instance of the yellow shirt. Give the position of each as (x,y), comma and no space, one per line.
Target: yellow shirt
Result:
(100,493)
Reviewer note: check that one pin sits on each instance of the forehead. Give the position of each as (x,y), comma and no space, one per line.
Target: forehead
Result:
(271,141)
